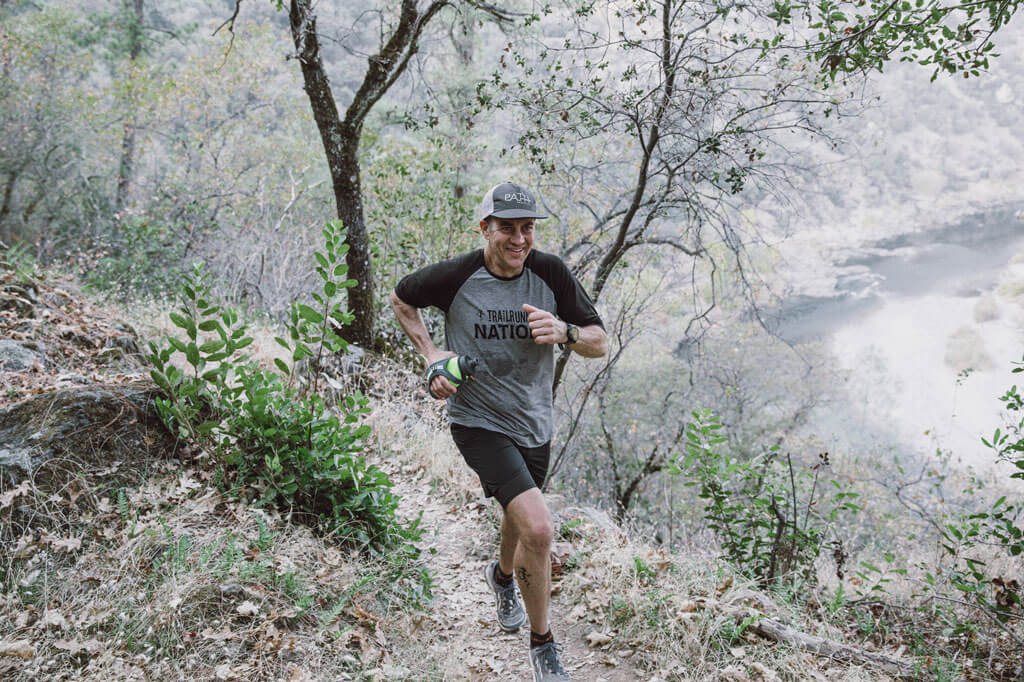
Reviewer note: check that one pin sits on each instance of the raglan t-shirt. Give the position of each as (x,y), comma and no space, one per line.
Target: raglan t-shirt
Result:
(484,318)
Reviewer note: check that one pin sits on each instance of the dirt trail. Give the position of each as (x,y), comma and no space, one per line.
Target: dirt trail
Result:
(464,629)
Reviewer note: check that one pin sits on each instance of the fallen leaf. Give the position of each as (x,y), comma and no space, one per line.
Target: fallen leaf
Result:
(764,672)
(8,497)
(92,646)
(578,613)
(54,618)
(67,544)
(687,606)
(738,652)
(247,608)
(734,673)
(21,648)
(223,634)
(596,639)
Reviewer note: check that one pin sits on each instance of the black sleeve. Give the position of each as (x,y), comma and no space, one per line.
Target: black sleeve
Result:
(573,303)
(436,285)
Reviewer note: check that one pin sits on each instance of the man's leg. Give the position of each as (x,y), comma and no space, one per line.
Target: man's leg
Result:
(509,542)
(526,534)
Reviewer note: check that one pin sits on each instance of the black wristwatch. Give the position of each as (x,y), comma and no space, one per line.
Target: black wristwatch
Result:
(572,334)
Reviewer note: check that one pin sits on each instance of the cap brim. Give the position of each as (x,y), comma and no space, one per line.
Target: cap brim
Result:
(516,213)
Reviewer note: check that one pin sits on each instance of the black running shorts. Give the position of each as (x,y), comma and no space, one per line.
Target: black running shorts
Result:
(505,468)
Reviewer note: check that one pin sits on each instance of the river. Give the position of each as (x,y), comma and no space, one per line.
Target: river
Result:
(908,315)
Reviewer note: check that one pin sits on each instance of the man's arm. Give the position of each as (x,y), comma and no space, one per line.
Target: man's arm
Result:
(593,342)
(412,323)
(546,328)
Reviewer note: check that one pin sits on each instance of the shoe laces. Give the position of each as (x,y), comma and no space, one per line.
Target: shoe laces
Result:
(508,598)
(549,658)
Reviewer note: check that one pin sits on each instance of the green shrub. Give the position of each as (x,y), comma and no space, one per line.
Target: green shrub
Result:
(270,430)
(765,512)
(139,256)
(968,540)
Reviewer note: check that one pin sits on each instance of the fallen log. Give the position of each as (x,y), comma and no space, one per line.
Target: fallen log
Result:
(777,631)
(780,632)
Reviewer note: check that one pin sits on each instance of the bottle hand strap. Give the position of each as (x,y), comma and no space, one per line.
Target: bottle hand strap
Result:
(439,369)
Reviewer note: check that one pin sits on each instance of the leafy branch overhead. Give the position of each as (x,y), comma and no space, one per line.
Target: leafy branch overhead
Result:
(649,120)
(953,37)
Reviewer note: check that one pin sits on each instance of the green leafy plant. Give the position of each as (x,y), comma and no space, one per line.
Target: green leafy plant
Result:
(19,260)
(213,338)
(272,433)
(765,511)
(970,541)
(140,254)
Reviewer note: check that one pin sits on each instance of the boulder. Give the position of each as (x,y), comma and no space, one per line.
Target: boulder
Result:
(15,356)
(19,298)
(81,426)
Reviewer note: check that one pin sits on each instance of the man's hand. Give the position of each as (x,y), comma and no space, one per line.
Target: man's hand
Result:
(545,327)
(442,388)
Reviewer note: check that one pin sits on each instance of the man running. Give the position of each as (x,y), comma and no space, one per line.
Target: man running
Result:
(507,306)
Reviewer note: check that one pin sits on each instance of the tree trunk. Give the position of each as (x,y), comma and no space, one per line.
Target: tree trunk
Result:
(126,167)
(463,35)
(340,137)
(124,173)
(7,230)
(348,195)
(341,146)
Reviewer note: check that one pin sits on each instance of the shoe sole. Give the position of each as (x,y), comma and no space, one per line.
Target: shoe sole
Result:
(488,575)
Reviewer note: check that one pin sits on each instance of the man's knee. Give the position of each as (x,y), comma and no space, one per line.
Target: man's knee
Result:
(538,534)
(532,520)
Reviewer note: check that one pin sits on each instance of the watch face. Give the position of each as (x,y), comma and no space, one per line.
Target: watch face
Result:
(573,332)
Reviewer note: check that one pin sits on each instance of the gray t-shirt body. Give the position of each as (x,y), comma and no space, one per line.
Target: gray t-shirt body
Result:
(484,318)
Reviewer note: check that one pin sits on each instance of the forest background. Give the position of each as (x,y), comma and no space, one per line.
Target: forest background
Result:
(709,168)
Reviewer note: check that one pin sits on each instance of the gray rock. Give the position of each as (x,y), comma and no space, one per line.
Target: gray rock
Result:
(353,358)
(15,462)
(127,344)
(20,299)
(91,425)
(15,357)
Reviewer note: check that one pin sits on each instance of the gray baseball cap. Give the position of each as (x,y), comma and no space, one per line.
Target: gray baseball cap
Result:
(509,200)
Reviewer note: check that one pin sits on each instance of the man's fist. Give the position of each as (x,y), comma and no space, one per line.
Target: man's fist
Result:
(545,327)
(441,388)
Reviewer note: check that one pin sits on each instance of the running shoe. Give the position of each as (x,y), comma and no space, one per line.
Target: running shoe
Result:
(511,614)
(546,664)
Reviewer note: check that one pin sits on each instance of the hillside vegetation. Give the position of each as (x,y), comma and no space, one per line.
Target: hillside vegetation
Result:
(201,478)
(130,555)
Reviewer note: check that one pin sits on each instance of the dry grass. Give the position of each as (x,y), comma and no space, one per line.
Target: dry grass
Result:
(173,580)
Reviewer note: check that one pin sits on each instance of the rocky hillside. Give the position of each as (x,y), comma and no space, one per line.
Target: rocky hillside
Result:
(121,558)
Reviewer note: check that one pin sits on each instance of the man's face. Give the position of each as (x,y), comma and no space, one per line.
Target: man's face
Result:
(509,241)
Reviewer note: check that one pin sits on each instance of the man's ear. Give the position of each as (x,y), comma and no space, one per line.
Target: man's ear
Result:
(483,227)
